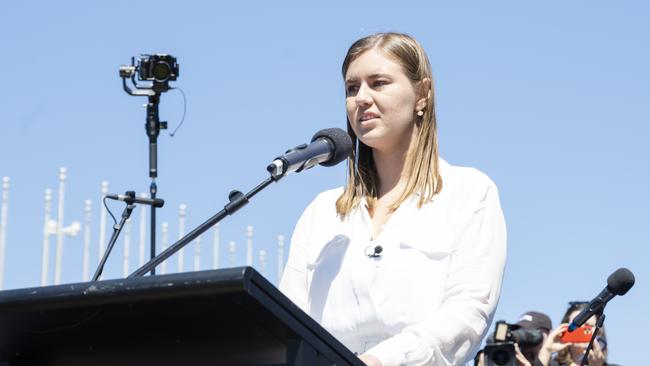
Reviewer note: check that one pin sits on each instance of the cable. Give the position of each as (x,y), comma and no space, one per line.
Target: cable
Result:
(109,211)
(184,111)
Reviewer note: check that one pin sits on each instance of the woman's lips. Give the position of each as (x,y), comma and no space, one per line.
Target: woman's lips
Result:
(366,117)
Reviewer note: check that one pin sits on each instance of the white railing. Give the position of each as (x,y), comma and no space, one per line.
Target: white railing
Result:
(56,228)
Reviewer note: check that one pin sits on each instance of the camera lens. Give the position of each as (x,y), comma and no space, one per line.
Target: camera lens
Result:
(500,357)
(527,337)
(161,71)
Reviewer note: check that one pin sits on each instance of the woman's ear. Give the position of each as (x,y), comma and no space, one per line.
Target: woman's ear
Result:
(424,93)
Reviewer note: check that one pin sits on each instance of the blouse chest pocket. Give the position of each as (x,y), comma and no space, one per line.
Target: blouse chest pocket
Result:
(330,254)
(430,232)
(434,245)
(413,269)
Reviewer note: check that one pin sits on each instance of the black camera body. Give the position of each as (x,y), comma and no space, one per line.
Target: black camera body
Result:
(500,348)
(159,68)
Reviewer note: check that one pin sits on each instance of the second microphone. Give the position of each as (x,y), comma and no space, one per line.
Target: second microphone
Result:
(130,198)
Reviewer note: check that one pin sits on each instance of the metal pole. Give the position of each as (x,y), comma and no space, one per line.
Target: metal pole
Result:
(280,256)
(181,232)
(232,248)
(3,227)
(102,224)
(164,242)
(215,247)
(46,238)
(249,245)
(143,228)
(127,248)
(197,254)
(262,261)
(87,239)
(59,227)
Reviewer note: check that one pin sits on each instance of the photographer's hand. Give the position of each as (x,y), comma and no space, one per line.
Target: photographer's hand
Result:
(370,360)
(481,359)
(552,344)
(521,359)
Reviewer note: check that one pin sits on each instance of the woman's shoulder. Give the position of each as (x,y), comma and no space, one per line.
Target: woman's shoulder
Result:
(464,179)
(325,200)
(327,197)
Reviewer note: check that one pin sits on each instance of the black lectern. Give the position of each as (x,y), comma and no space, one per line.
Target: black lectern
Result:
(224,317)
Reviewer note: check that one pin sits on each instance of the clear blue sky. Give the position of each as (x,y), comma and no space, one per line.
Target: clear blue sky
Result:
(550,99)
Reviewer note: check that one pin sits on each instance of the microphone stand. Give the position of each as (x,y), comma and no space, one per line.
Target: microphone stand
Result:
(237,201)
(153,127)
(599,324)
(116,232)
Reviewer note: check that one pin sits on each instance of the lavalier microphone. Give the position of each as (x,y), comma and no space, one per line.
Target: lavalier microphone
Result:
(376,251)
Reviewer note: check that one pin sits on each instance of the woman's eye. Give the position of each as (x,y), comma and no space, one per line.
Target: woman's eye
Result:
(351,89)
(378,83)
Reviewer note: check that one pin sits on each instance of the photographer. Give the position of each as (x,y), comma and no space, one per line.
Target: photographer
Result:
(516,344)
(569,351)
(533,320)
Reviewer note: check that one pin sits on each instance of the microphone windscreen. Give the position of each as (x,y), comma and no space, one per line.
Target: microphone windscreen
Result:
(341,141)
(620,282)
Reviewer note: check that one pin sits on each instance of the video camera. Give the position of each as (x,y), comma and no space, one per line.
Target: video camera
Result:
(500,348)
(160,69)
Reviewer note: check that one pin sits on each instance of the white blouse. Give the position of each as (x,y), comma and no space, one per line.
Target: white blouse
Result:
(429,297)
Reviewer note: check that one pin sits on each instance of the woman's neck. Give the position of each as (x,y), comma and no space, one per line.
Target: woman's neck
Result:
(390,169)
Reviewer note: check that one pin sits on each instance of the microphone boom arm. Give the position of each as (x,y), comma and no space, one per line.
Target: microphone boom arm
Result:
(237,201)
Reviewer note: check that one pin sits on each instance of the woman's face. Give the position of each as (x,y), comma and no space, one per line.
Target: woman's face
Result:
(381,102)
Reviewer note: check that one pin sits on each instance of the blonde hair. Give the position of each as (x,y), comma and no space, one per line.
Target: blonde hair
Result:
(421,163)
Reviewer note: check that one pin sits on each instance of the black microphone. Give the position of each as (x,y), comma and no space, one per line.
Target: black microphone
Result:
(328,147)
(618,283)
(130,198)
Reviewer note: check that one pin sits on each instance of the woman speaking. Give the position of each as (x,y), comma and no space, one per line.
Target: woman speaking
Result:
(404,263)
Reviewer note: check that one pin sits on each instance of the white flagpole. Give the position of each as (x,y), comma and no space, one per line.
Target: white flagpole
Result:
(46,238)
(215,247)
(87,239)
(59,227)
(280,256)
(164,241)
(262,261)
(143,228)
(102,222)
(249,245)
(232,248)
(3,227)
(181,231)
(127,248)
(197,254)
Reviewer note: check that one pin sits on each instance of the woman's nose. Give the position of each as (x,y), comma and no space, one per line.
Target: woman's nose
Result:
(363,98)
